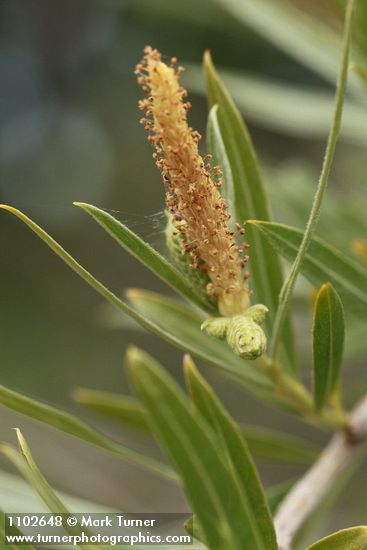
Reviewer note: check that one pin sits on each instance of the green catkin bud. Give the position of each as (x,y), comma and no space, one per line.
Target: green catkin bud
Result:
(197,278)
(257,313)
(245,337)
(243,333)
(216,326)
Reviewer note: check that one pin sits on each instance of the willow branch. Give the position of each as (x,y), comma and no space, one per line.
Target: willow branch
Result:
(315,485)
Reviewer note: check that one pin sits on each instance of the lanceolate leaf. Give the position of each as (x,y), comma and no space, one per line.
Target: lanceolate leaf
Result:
(186,336)
(209,482)
(354,538)
(145,254)
(88,277)
(24,462)
(71,425)
(250,201)
(217,148)
(276,446)
(264,444)
(122,409)
(258,520)
(328,343)
(274,105)
(299,35)
(322,263)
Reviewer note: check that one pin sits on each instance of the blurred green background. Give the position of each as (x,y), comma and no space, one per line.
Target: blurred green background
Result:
(70,131)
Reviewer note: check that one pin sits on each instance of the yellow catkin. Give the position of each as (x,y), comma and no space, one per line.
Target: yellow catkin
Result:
(198,210)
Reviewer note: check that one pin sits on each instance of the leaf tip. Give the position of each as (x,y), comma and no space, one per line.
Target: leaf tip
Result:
(207,60)
(132,293)
(8,208)
(189,367)
(78,395)
(133,355)
(23,447)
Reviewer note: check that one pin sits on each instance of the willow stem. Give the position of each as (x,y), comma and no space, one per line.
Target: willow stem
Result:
(290,281)
(315,486)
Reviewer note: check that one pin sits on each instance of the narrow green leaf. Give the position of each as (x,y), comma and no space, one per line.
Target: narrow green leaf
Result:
(263,443)
(354,538)
(25,463)
(17,497)
(266,444)
(147,255)
(290,281)
(274,496)
(71,425)
(322,263)
(227,360)
(295,32)
(328,344)
(257,522)
(209,483)
(123,409)
(217,148)
(27,466)
(180,321)
(14,531)
(250,201)
(92,281)
(275,105)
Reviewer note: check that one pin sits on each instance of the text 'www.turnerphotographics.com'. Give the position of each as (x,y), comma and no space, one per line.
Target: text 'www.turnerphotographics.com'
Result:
(109,529)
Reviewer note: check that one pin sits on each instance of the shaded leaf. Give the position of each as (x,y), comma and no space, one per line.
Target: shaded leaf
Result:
(328,344)
(322,263)
(24,462)
(354,538)
(125,410)
(217,149)
(293,31)
(257,522)
(17,497)
(263,443)
(274,496)
(145,254)
(275,105)
(71,425)
(275,446)
(209,483)
(88,277)
(221,356)
(250,201)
